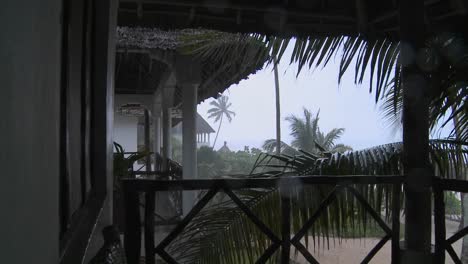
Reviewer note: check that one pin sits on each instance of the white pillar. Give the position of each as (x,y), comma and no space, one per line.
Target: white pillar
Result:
(157,109)
(189,141)
(166,125)
(189,130)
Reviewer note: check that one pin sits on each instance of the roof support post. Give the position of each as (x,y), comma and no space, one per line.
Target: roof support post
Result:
(189,139)
(415,136)
(188,77)
(168,92)
(157,110)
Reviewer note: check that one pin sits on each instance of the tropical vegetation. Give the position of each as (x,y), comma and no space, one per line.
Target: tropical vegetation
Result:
(221,108)
(307,136)
(444,61)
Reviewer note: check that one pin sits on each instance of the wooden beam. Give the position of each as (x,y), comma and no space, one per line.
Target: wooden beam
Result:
(415,135)
(248,7)
(235,184)
(361,15)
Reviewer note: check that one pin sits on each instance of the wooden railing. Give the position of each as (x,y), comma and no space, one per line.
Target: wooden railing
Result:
(442,243)
(134,187)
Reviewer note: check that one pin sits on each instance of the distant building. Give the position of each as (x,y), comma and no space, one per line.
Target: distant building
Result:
(129,128)
(203,131)
(224,148)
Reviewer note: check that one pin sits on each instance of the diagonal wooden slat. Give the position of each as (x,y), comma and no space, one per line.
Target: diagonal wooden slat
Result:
(304,252)
(268,253)
(164,255)
(301,233)
(376,249)
(453,255)
(252,216)
(186,220)
(458,235)
(370,210)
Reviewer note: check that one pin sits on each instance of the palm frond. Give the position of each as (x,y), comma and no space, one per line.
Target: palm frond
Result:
(223,234)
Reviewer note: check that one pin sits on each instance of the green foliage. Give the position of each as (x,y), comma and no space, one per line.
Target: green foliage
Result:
(307,136)
(452,204)
(124,165)
(219,110)
(221,233)
(214,164)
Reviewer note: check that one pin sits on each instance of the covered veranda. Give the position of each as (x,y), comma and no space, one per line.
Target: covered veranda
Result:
(407,22)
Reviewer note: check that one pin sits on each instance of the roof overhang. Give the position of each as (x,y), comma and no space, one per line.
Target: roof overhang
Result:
(291,17)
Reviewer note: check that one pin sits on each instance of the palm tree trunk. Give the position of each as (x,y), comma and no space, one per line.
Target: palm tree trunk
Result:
(217,132)
(278,112)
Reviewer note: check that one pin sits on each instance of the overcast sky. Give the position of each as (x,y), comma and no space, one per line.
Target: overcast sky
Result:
(341,106)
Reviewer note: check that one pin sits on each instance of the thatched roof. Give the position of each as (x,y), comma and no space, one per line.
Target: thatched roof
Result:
(229,66)
(291,18)
(203,126)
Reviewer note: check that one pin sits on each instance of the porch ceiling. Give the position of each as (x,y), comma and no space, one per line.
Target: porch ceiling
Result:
(290,17)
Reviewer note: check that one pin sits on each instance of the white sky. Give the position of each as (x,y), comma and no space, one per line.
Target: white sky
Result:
(341,106)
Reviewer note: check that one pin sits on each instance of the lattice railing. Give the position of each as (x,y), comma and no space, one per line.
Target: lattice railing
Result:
(443,244)
(284,242)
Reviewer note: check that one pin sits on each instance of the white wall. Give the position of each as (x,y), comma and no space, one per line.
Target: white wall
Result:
(125,127)
(29,130)
(125,132)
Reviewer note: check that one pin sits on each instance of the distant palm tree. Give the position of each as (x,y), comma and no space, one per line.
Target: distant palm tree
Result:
(308,137)
(219,110)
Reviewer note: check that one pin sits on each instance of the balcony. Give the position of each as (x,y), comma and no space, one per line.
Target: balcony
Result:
(280,243)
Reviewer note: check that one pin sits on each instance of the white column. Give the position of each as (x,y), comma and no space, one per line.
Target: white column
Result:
(157,110)
(189,130)
(166,125)
(189,140)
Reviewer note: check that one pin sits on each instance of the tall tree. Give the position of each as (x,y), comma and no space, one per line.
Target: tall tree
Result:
(307,135)
(278,109)
(219,110)
(222,227)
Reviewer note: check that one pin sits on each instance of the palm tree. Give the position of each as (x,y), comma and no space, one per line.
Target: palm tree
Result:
(445,65)
(219,110)
(278,110)
(308,137)
(223,234)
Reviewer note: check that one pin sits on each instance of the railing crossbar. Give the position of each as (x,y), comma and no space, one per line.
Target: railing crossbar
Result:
(186,220)
(299,246)
(370,210)
(376,249)
(147,185)
(268,253)
(452,254)
(460,234)
(323,205)
(267,231)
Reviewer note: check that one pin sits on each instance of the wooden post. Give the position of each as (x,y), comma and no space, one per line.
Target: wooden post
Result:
(439,224)
(396,192)
(415,135)
(147,140)
(149,227)
(285,224)
(132,233)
